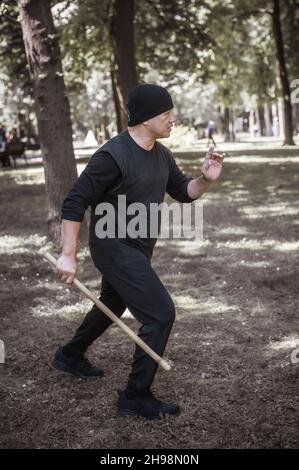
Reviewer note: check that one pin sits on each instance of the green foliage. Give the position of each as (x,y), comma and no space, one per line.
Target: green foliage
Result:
(222,50)
(13,58)
(173,36)
(84,37)
(290,26)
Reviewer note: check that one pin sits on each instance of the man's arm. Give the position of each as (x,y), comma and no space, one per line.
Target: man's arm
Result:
(100,174)
(177,182)
(198,186)
(211,170)
(66,264)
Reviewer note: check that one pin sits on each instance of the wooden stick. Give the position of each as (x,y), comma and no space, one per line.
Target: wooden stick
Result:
(114,318)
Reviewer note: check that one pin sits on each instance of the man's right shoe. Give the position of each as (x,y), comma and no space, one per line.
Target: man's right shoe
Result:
(165,408)
(79,366)
(136,407)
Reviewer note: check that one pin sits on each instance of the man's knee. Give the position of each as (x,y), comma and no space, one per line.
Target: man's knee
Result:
(166,313)
(115,304)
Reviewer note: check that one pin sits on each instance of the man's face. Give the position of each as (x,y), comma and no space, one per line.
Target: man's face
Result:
(160,126)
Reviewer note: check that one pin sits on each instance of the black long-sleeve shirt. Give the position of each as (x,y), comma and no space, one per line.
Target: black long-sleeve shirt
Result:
(100,174)
(154,171)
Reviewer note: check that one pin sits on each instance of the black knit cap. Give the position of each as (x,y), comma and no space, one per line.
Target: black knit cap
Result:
(147,101)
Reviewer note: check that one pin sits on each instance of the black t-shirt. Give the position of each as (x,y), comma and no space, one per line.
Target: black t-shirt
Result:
(122,167)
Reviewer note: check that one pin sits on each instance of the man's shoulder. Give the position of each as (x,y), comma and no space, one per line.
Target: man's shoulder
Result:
(110,147)
(118,141)
(163,150)
(116,149)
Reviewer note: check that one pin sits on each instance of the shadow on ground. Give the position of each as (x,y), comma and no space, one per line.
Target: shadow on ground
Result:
(237,301)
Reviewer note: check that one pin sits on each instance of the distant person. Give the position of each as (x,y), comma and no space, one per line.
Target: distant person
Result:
(22,135)
(275,126)
(13,137)
(256,129)
(3,138)
(211,130)
(4,157)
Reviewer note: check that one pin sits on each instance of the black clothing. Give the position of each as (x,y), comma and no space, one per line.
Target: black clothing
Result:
(122,167)
(146,406)
(129,281)
(147,101)
(100,174)
(143,176)
(78,365)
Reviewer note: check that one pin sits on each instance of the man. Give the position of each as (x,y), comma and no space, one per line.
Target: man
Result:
(135,165)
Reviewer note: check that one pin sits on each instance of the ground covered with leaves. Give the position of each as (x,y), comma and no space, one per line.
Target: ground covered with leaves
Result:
(234,371)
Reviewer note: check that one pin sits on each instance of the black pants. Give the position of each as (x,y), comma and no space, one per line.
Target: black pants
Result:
(129,281)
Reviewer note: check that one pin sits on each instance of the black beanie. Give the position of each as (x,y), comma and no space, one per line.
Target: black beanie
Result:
(147,101)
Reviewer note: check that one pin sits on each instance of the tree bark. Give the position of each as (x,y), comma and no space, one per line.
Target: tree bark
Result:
(261,117)
(229,125)
(251,123)
(281,117)
(226,124)
(288,118)
(296,114)
(51,104)
(297,117)
(123,64)
(232,125)
(121,117)
(268,120)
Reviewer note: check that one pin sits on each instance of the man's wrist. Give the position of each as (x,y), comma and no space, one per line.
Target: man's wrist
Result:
(205,179)
(69,252)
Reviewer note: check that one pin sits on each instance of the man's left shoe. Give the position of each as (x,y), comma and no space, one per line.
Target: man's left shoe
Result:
(79,366)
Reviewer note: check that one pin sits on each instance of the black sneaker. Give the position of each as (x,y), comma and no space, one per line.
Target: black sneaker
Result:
(79,366)
(137,406)
(170,408)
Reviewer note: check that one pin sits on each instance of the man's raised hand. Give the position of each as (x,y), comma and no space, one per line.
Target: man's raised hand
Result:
(212,165)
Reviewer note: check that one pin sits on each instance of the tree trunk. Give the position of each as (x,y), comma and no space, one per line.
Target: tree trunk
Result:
(275,120)
(297,117)
(251,123)
(52,106)
(268,120)
(226,125)
(281,117)
(229,125)
(288,118)
(232,126)
(121,117)
(261,118)
(123,71)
